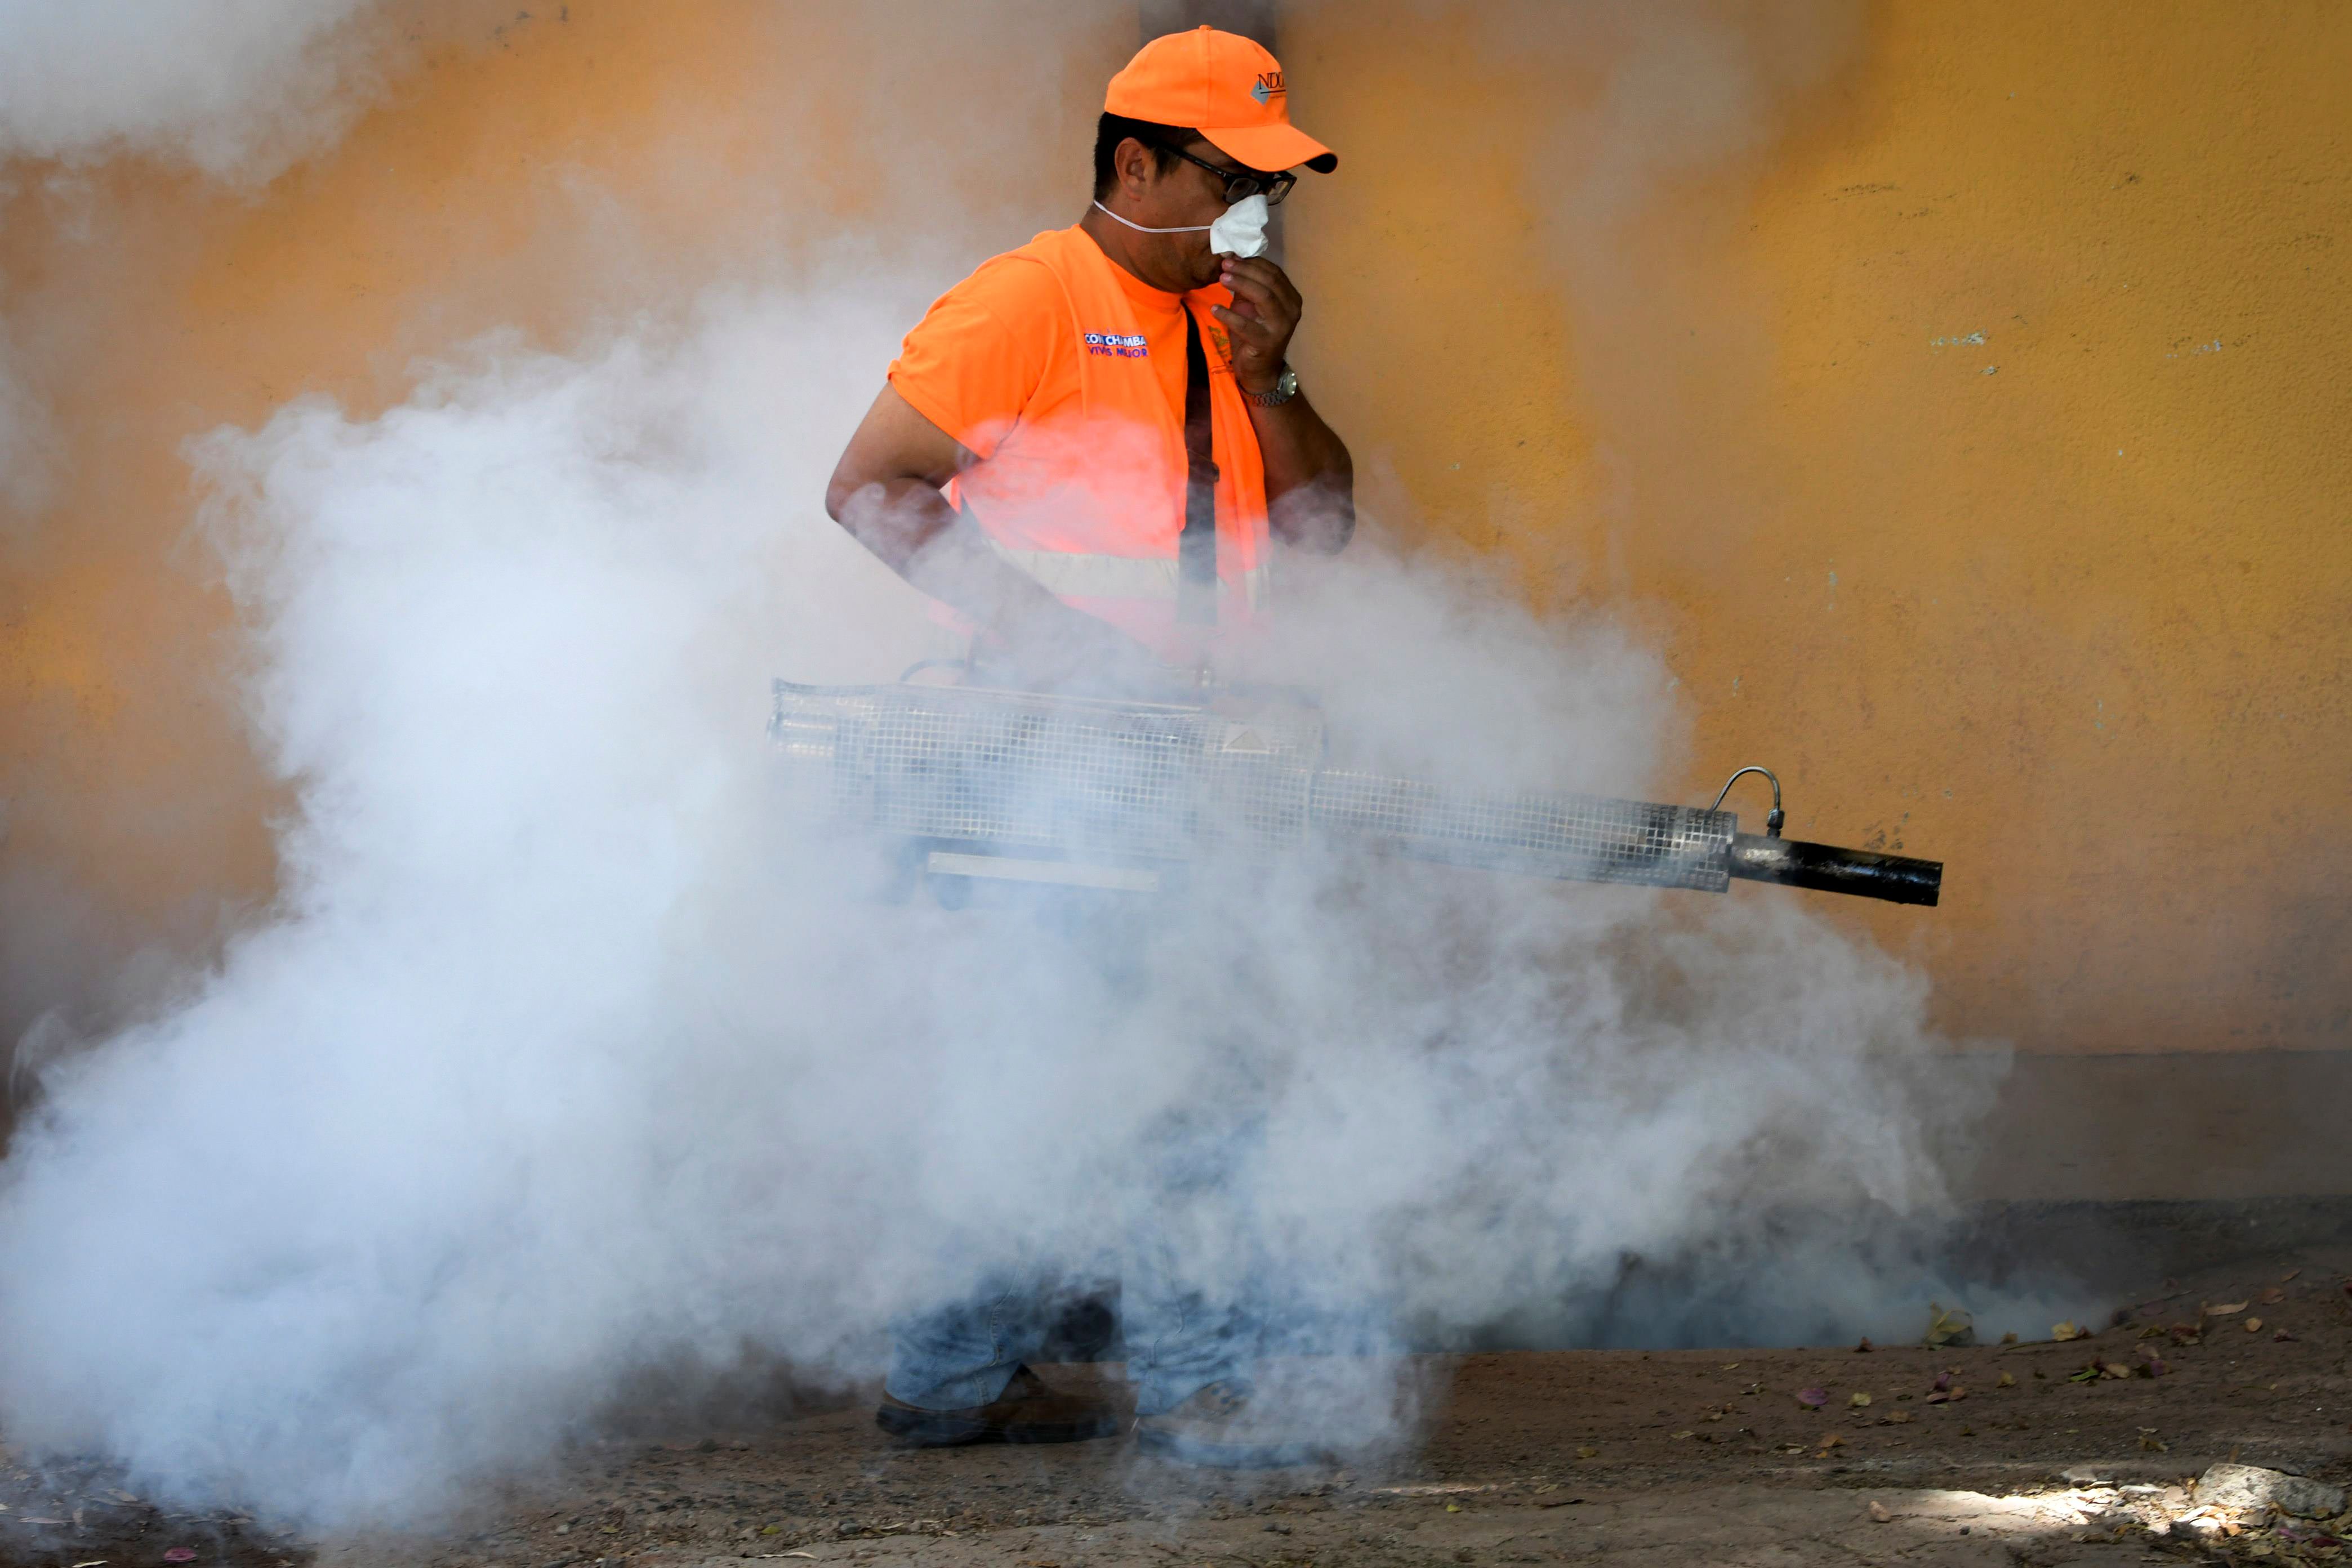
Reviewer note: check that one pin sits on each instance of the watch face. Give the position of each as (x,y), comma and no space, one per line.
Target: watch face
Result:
(1287,383)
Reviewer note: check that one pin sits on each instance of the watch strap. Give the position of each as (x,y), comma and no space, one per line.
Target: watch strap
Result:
(1285,388)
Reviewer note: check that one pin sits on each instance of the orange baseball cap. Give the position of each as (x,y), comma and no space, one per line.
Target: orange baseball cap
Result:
(1225,87)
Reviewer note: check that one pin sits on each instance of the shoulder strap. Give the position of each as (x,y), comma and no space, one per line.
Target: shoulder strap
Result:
(1196,547)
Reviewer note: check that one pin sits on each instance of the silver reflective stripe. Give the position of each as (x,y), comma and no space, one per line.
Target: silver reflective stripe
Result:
(1070,577)
(1062,873)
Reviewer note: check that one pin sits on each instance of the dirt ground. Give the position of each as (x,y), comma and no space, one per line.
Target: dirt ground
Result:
(2041,1453)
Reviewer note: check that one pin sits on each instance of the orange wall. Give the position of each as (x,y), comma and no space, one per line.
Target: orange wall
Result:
(598,159)
(1667,314)
(2074,626)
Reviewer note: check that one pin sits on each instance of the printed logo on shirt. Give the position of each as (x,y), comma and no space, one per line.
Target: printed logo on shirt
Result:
(1269,86)
(1119,346)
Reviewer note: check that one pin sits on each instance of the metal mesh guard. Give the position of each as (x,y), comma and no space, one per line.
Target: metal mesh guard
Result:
(1121,781)
(1129,782)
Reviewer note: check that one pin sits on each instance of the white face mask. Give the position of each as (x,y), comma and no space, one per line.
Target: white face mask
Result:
(1241,232)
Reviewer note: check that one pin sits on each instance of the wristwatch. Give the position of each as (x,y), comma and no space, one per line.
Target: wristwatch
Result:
(1285,388)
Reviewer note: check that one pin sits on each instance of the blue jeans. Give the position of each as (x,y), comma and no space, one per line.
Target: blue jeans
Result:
(963,1354)
(1184,1329)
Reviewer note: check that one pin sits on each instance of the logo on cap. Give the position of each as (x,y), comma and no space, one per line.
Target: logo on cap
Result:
(1269,86)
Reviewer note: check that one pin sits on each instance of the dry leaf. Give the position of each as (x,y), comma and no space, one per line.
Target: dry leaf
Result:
(2065,1331)
(1878,1511)
(2224,1309)
(1859,1400)
(1899,1417)
(2114,1369)
(2006,1382)
(1680,1436)
(1831,1441)
(1948,1326)
(2253,1325)
(1813,1398)
(2289,1275)
(1588,1453)
(2282,1335)
(2272,1297)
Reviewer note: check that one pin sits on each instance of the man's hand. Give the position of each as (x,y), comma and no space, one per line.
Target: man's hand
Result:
(1310,481)
(1066,651)
(885,492)
(1261,320)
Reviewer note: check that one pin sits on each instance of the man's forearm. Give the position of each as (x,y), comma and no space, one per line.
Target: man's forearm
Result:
(943,552)
(1310,480)
(909,524)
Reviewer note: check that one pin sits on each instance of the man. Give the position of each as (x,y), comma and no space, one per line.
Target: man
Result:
(1047,395)
(1086,448)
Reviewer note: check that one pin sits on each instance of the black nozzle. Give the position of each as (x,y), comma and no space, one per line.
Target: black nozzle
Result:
(1793,863)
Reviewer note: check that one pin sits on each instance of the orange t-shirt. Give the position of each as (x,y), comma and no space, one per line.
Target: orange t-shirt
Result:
(1064,376)
(997,350)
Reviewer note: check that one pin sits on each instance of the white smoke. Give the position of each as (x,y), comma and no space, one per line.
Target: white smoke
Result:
(562,1054)
(236,89)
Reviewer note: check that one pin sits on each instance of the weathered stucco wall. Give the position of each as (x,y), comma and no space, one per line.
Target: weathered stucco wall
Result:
(1954,390)
(1958,389)
(534,173)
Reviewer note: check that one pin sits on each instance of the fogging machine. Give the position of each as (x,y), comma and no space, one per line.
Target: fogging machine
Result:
(981,786)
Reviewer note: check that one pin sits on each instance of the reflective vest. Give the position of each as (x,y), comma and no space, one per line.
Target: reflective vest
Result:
(1091,501)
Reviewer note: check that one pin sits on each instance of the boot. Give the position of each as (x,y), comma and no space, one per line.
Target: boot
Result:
(1029,1411)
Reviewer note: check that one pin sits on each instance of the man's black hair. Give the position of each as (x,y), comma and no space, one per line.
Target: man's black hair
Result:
(1114,129)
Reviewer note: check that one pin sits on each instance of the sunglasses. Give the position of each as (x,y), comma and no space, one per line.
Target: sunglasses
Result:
(1239,185)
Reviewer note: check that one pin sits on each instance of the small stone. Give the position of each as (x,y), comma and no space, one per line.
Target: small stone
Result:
(2251,1490)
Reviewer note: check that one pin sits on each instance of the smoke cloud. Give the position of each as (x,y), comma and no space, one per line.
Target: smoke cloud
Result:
(567,1051)
(236,89)
(563,1052)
